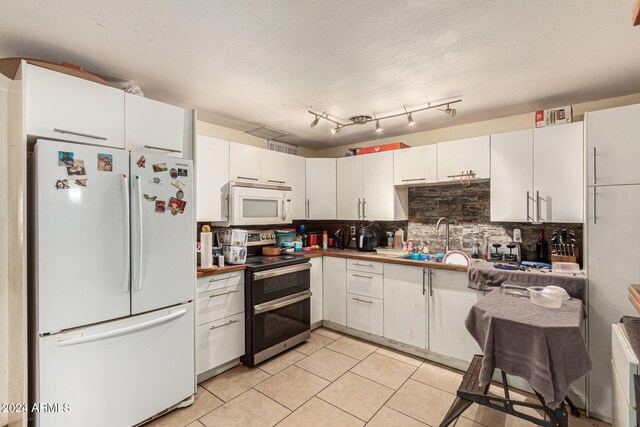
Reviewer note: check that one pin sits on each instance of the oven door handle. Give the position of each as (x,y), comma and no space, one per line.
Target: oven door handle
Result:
(281,302)
(261,275)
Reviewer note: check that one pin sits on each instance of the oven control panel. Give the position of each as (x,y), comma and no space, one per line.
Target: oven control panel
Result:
(261,237)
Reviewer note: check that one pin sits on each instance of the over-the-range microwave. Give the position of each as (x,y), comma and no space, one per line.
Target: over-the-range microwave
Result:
(250,203)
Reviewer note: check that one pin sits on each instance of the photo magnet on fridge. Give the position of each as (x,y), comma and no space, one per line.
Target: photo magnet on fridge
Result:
(160,206)
(160,167)
(141,162)
(173,173)
(177,204)
(178,184)
(105,162)
(77,168)
(155,180)
(182,172)
(65,158)
(150,198)
(180,194)
(81,182)
(62,184)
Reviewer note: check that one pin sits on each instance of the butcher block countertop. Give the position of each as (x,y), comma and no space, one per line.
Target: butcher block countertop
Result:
(220,270)
(373,256)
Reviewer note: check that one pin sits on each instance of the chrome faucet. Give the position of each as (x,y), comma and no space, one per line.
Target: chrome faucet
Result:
(446,233)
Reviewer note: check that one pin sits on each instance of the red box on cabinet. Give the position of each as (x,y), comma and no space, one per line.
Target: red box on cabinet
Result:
(379,148)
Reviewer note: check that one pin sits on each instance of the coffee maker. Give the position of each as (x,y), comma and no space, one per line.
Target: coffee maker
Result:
(368,236)
(339,239)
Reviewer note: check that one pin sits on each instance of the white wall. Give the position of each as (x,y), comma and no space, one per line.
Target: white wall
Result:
(486,127)
(4,276)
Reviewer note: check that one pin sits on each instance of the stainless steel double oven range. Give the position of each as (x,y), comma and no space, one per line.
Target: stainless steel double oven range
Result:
(277,300)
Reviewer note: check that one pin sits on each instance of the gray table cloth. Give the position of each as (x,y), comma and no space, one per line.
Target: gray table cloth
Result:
(542,345)
(484,277)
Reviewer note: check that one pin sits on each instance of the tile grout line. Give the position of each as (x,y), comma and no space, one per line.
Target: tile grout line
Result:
(391,397)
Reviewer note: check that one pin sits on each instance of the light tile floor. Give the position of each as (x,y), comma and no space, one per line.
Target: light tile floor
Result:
(335,380)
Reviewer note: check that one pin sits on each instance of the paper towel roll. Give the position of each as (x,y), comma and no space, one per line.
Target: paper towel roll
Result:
(206,256)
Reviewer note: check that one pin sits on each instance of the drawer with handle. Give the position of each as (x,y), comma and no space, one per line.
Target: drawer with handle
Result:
(219,303)
(365,266)
(367,284)
(625,362)
(217,281)
(365,314)
(219,342)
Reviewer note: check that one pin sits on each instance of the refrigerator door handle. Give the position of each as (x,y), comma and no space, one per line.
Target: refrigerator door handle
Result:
(127,236)
(83,339)
(139,209)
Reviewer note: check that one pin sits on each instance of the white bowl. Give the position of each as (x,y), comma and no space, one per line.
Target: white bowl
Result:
(545,297)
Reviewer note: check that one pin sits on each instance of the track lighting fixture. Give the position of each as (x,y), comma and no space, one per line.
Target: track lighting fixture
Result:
(364,119)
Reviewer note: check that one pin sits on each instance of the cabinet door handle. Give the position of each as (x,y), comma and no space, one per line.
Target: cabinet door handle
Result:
(277,182)
(424,290)
(86,135)
(362,265)
(307,209)
(227,198)
(220,280)
(230,322)
(414,179)
(594,183)
(361,276)
(247,177)
(538,209)
(170,150)
(364,203)
(223,294)
(362,300)
(359,205)
(430,282)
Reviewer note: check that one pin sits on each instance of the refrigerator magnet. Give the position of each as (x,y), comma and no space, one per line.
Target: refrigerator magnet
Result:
(105,162)
(160,167)
(178,184)
(160,206)
(141,162)
(77,168)
(180,194)
(81,182)
(173,173)
(65,158)
(155,180)
(177,204)
(182,172)
(150,198)
(62,184)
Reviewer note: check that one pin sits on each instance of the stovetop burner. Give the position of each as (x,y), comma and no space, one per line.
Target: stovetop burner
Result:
(261,262)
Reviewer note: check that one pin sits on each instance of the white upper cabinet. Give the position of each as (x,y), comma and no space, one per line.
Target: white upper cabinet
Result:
(366,190)
(275,167)
(245,162)
(296,177)
(68,108)
(537,175)
(463,155)
(350,180)
(614,136)
(212,175)
(558,171)
(415,165)
(321,188)
(157,126)
(381,200)
(512,176)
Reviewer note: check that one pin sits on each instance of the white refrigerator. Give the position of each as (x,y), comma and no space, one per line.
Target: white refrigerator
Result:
(112,275)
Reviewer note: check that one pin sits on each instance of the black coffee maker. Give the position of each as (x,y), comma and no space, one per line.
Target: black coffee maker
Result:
(339,239)
(368,236)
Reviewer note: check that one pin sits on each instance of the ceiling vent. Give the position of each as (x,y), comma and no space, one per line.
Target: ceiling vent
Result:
(267,133)
(282,147)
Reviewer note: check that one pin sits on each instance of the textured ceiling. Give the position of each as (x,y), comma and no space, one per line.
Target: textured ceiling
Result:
(250,63)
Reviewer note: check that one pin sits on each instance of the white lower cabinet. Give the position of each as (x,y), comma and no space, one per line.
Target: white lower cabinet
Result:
(219,320)
(334,277)
(367,284)
(365,314)
(449,303)
(316,290)
(405,305)
(219,342)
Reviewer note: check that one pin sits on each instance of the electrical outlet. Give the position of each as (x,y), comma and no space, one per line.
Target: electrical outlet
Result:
(352,230)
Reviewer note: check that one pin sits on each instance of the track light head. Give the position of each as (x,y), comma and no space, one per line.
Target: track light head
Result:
(410,118)
(378,127)
(315,121)
(336,129)
(450,111)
